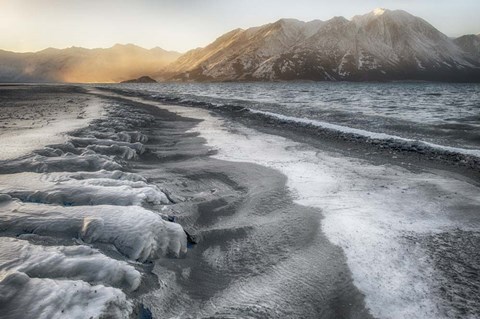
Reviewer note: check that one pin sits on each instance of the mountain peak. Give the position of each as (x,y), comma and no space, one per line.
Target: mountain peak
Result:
(379,11)
(288,21)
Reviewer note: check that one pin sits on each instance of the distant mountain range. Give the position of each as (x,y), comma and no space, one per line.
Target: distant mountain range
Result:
(115,64)
(381,45)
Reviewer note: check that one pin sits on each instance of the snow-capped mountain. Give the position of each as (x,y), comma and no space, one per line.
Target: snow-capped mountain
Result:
(380,45)
(115,64)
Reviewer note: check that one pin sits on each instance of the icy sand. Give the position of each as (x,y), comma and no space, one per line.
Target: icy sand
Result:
(384,217)
(27,126)
(285,229)
(76,229)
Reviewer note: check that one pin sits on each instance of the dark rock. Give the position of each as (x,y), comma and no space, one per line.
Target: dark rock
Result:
(142,79)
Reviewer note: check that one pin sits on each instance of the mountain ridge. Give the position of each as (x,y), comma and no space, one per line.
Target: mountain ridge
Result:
(76,64)
(382,45)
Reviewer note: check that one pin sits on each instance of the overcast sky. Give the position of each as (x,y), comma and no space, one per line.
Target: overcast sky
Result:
(32,25)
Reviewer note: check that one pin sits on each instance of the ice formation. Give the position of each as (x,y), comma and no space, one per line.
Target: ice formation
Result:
(75,226)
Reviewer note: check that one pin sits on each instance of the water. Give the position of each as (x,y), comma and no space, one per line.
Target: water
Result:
(441,113)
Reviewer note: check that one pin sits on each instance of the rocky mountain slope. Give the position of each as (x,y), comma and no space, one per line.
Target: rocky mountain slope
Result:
(115,64)
(470,43)
(380,45)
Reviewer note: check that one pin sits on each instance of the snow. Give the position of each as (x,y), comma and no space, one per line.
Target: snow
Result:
(389,39)
(379,11)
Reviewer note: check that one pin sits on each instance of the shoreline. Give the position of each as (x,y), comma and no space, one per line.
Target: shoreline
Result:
(288,225)
(413,191)
(242,215)
(350,145)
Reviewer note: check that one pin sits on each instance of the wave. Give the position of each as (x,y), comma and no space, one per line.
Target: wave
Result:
(458,155)
(373,137)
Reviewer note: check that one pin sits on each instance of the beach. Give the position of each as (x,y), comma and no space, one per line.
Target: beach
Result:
(141,208)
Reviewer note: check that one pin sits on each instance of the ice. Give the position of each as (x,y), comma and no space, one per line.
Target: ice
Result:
(57,188)
(19,142)
(88,161)
(73,262)
(84,142)
(138,233)
(369,210)
(25,297)
(103,174)
(124,136)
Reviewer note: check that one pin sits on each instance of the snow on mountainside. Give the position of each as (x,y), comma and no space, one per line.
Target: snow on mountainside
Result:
(380,45)
(115,64)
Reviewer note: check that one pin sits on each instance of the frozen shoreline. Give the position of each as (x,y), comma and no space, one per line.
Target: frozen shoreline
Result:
(261,205)
(75,226)
(381,215)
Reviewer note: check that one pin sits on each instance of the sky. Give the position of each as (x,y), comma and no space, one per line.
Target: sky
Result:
(181,25)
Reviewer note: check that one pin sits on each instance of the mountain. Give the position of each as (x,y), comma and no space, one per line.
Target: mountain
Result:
(380,45)
(471,44)
(115,64)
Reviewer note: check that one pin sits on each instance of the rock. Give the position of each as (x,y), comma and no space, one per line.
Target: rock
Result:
(142,79)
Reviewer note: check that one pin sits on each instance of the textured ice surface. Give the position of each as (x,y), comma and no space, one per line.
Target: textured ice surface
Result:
(25,297)
(59,188)
(77,194)
(136,232)
(58,262)
(68,162)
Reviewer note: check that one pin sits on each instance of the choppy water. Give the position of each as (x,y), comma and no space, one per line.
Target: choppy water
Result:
(440,113)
